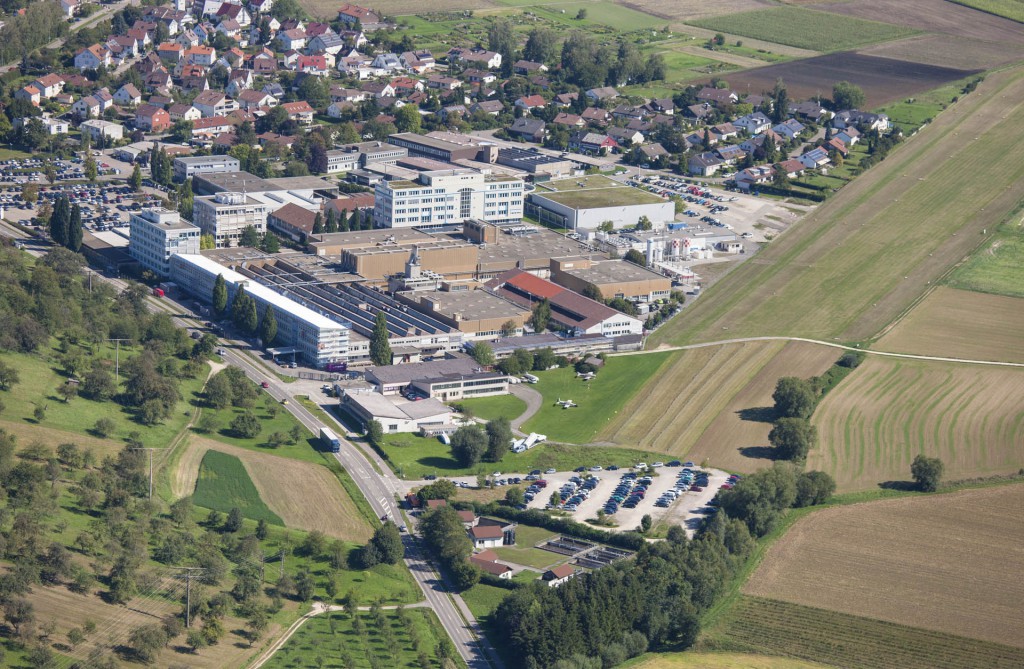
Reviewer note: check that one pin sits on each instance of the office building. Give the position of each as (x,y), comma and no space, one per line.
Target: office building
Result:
(448,197)
(318,339)
(225,215)
(187,166)
(156,235)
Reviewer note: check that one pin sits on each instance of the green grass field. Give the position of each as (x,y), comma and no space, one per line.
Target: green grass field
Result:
(805,28)
(224,484)
(599,400)
(414,457)
(12,154)
(598,13)
(912,113)
(482,599)
(281,421)
(331,641)
(778,628)
(862,258)
(998,267)
(499,406)
(1011,9)
(603,197)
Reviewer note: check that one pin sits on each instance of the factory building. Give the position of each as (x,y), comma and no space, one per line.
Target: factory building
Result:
(447,197)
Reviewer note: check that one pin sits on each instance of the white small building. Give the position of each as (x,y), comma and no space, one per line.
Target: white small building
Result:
(156,235)
(187,166)
(98,128)
(396,415)
(486,536)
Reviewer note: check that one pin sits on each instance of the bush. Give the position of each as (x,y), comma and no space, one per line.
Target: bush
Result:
(813,488)
(851,359)
(927,472)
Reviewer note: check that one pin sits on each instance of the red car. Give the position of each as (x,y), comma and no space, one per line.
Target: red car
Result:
(265,384)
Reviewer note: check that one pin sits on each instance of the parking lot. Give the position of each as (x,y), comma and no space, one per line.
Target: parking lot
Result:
(104,206)
(31,170)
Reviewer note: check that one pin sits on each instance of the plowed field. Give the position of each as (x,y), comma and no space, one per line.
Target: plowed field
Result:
(949,563)
(872,425)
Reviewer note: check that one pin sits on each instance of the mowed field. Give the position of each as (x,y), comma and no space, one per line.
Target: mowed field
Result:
(862,258)
(961,324)
(685,10)
(692,660)
(880,417)
(671,410)
(962,53)
(737,439)
(883,80)
(936,16)
(305,495)
(949,563)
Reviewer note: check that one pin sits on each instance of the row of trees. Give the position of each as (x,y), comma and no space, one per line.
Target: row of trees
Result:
(66,224)
(445,534)
(243,312)
(473,443)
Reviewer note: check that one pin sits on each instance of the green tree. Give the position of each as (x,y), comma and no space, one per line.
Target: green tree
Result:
(380,348)
(499,439)
(9,376)
(813,488)
(793,438)
(146,641)
(246,425)
(270,244)
(635,257)
(388,542)
(469,443)
(780,102)
(847,96)
(249,237)
(541,315)
(375,433)
(408,119)
(233,522)
(220,295)
(927,472)
(74,238)
(90,169)
(135,180)
(268,328)
(207,242)
(514,496)
(760,498)
(794,398)
(60,218)
(483,353)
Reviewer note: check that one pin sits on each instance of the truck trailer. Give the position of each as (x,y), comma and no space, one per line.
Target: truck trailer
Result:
(328,439)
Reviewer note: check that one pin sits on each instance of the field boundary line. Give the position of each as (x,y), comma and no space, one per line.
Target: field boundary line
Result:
(844,347)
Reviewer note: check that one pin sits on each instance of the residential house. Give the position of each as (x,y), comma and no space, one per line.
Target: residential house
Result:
(754,144)
(69,8)
(252,100)
(486,536)
(261,6)
(86,107)
(530,102)
(556,576)
(355,15)
(592,143)
(49,85)
(836,144)
(487,561)
(754,176)
(122,47)
(128,96)
(848,136)
(654,151)
(699,111)
(596,115)
(570,120)
(662,106)
(441,82)
(817,157)
(753,124)
(625,137)
(601,93)
(406,86)
(187,39)
(152,119)
(195,84)
(419,62)
(313,65)
(205,56)
(480,57)
(339,109)
(29,94)
(172,52)
(210,127)
(527,129)
(790,128)
(183,112)
(810,110)
(159,80)
(723,131)
(240,80)
(731,154)
(704,164)
(351,95)
(92,57)
(566,99)
(379,89)
(293,39)
(492,107)
(866,120)
(214,103)
(717,96)
(330,42)
(527,67)
(479,77)
(300,112)
(354,38)
(460,110)
(792,168)
(629,112)
(231,29)
(387,63)
(230,11)
(98,128)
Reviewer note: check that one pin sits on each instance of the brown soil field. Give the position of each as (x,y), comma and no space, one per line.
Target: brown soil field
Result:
(961,53)
(685,10)
(114,624)
(672,410)
(861,259)
(883,80)
(737,439)
(935,16)
(305,495)
(950,563)
(961,324)
(880,417)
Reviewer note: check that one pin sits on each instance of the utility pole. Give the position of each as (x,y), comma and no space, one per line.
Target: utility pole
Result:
(188,591)
(117,357)
(150,449)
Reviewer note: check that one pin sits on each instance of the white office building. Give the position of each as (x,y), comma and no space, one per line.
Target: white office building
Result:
(318,339)
(447,197)
(156,235)
(339,160)
(186,166)
(225,215)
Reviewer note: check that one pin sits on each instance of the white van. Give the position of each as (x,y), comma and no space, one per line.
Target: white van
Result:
(530,378)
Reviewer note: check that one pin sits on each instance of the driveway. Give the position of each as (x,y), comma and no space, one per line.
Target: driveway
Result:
(533,400)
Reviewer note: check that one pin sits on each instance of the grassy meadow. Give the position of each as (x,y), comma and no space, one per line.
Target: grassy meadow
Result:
(499,406)
(997,267)
(224,484)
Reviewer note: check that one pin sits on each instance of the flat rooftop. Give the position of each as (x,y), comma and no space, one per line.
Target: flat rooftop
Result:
(303,183)
(360,238)
(233,182)
(597,198)
(470,305)
(384,407)
(444,143)
(529,158)
(614,271)
(205,160)
(535,250)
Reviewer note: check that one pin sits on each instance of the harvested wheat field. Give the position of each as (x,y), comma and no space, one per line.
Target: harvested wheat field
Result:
(950,563)
(961,324)
(692,660)
(737,439)
(305,495)
(937,16)
(670,412)
(961,53)
(880,417)
(684,10)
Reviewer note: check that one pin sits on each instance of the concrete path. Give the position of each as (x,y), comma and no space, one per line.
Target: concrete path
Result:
(533,400)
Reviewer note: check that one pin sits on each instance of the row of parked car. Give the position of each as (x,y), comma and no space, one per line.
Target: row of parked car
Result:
(576,491)
(629,493)
(688,480)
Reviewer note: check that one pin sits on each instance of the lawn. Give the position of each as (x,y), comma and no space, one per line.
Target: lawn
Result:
(529,557)
(499,406)
(414,457)
(40,375)
(332,641)
(912,113)
(693,660)
(805,28)
(609,14)
(997,267)
(602,197)
(482,599)
(1011,9)
(863,257)
(12,154)
(224,484)
(274,420)
(599,400)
